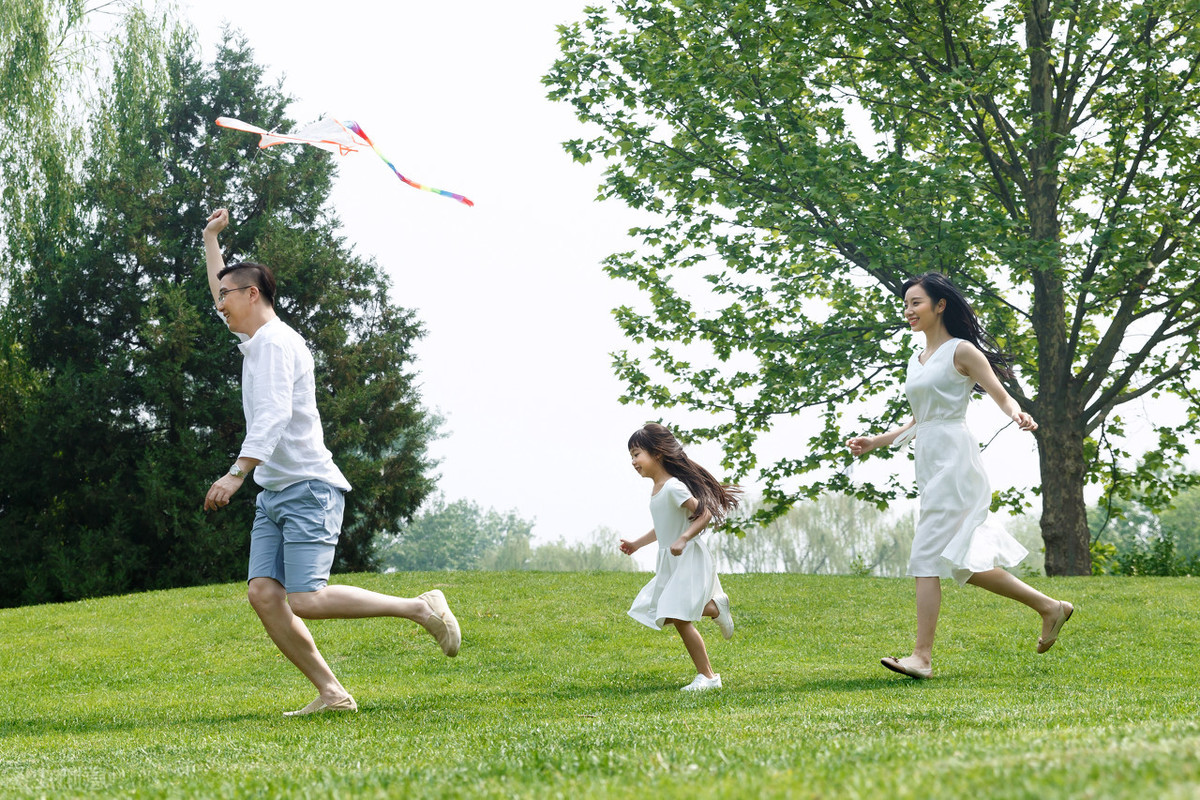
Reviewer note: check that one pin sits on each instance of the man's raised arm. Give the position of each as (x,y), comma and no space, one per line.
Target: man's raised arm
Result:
(212,250)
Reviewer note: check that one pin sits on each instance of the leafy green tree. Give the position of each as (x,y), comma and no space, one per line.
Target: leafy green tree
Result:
(1123,526)
(136,403)
(44,54)
(514,536)
(1182,519)
(1045,155)
(1145,542)
(44,50)
(458,536)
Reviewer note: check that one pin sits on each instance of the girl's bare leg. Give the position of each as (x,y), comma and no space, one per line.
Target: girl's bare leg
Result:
(694,643)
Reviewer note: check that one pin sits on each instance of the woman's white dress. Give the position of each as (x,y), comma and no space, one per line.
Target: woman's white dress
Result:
(952,537)
(682,585)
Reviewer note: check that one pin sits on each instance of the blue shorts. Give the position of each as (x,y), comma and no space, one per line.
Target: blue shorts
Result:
(295,533)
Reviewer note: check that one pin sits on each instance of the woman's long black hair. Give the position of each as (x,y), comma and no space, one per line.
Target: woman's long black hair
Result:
(960,320)
(711,495)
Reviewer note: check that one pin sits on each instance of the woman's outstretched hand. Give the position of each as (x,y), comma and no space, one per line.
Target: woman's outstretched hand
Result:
(1024,421)
(861,444)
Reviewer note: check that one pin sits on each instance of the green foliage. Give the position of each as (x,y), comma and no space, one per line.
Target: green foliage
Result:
(45,54)
(1182,520)
(1133,539)
(122,387)
(557,693)
(1103,557)
(1045,157)
(860,568)
(1157,556)
(462,536)
(457,536)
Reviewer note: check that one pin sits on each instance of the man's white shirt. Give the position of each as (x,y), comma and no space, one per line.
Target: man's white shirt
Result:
(279,398)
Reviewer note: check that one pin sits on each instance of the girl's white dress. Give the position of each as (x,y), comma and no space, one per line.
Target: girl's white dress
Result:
(682,585)
(952,536)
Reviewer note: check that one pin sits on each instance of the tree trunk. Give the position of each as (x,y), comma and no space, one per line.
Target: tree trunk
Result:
(1064,512)
(1059,412)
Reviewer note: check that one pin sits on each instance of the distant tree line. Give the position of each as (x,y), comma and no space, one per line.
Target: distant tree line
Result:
(841,535)
(460,535)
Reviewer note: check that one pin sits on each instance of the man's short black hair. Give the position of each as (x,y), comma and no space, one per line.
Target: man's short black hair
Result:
(251,273)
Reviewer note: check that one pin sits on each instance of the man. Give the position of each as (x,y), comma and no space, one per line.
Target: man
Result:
(298,513)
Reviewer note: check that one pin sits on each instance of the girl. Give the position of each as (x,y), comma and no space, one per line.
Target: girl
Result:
(685,587)
(951,537)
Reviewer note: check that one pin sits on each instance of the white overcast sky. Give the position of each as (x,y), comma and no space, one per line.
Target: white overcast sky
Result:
(511,291)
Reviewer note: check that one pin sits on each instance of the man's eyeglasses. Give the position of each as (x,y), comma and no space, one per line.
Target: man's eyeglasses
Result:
(221,294)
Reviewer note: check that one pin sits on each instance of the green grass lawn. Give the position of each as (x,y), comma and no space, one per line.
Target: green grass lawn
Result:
(557,693)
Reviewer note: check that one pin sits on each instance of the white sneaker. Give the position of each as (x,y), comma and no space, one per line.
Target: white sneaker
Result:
(700,683)
(724,618)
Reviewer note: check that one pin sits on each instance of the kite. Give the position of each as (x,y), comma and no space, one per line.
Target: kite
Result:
(336,137)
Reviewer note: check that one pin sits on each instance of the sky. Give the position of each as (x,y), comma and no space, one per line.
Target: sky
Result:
(516,306)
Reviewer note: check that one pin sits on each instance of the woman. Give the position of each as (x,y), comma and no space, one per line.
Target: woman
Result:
(952,537)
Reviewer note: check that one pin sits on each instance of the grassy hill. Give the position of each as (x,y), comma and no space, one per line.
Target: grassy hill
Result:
(557,693)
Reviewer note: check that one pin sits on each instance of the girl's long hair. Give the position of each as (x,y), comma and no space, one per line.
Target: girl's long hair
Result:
(960,320)
(711,495)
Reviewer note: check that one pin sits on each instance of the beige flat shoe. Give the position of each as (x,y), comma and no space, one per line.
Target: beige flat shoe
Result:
(443,624)
(1065,610)
(896,664)
(319,706)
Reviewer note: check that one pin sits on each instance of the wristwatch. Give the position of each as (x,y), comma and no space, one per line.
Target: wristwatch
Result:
(237,471)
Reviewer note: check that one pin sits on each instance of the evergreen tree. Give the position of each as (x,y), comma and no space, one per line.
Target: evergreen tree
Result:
(458,535)
(136,406)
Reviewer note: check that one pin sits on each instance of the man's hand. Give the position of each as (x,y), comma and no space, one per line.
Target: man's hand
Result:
(220,492)
(216,222)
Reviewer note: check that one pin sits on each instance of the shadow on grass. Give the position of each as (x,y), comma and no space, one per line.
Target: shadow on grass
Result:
(640,688)
(106,724)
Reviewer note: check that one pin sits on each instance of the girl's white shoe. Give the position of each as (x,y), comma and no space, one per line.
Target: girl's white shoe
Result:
(724,618)
(700,683)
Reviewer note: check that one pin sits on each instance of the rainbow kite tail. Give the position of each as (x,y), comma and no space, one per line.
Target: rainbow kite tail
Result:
(354,126)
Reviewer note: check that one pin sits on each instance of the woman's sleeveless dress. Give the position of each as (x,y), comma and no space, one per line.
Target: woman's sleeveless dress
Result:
(952,536)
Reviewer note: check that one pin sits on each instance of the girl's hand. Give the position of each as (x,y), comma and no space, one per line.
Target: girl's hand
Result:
(861,444)
(628,547)
(1024,421)
(677,546)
